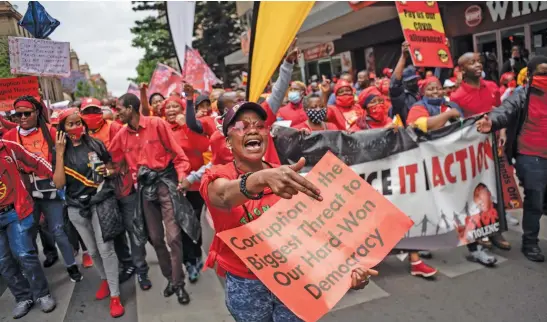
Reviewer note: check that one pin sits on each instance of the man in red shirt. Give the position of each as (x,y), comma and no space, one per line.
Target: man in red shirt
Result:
(294,110)
(476,96)
(134,261)
(148,142)
(19,264)
(524,114)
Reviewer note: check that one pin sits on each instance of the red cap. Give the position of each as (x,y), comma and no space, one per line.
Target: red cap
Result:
(90,101)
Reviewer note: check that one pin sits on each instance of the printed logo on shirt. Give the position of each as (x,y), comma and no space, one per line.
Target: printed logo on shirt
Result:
(8,159)
(257,212)
(3,190)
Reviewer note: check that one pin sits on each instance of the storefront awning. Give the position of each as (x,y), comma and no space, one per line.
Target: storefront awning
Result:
(236,58)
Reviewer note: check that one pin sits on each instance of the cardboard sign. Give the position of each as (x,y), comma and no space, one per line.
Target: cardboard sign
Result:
(39,57)
(304,250)
(12,88)
(424,31)
(511,193)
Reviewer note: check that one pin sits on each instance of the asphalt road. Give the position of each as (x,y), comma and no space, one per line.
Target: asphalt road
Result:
(513,291)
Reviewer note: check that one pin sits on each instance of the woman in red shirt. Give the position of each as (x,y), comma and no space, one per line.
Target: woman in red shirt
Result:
(193,145)
(249,183)
(375,114)
(345,111)
(316,115)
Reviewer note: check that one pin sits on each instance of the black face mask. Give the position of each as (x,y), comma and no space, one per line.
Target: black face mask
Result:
(411,86)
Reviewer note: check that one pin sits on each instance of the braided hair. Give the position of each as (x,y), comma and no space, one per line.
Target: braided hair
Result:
(42,120)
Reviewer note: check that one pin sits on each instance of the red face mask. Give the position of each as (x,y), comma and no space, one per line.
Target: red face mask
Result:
(540,82)
(76,132)
(93,121)
(379,113)
(512,84)
(345,101)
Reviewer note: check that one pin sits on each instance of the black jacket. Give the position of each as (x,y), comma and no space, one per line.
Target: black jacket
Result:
(511,115)
(148,181)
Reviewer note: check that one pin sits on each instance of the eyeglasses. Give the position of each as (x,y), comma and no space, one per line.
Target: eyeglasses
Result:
(245,126)
(25,114)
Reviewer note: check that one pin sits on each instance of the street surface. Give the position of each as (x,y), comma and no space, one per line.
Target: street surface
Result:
(514,291)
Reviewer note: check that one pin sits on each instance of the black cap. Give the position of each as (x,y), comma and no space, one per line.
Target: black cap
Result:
(201,99)
(231,114)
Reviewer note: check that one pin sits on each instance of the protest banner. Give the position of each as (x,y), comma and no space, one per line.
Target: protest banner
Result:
(39,57)
(70,83)
(12,88)
(511,192)
(423,30)
(304,250)
(134,89)
(165,80)
(450,173)
(197,72)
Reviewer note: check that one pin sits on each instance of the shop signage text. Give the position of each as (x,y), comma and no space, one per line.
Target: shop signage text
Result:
(499,9)
(319,51)
(473,16)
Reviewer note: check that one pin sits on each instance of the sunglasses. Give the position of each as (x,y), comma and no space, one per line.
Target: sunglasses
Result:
(246,126)
(25,114)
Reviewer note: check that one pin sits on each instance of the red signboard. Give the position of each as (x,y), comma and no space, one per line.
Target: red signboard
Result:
(423,29)
(319,51)
(12,88)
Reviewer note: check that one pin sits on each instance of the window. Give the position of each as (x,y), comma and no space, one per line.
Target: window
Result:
(539,39)
(510,38)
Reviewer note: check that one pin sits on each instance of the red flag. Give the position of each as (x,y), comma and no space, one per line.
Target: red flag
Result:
(134,89)
(165,80)
(197,72)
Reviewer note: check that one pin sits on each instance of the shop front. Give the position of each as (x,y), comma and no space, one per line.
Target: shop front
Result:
(492,28)
(321,60)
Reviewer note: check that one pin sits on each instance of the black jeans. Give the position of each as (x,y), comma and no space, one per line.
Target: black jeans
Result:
(137,257)
(191,253)
(532,172)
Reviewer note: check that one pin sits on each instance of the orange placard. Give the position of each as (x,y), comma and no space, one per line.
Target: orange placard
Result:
(511,192)
(12,88)
(304,250)
(424,31)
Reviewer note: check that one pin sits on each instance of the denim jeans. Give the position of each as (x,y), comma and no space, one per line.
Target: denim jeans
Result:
(53,211)
(18,256)
(532,172)
(251,301)
(138,253)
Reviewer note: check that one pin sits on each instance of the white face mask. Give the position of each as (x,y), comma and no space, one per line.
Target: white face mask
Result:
(295,97)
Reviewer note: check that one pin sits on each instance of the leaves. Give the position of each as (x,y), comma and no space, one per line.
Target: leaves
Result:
(4,59)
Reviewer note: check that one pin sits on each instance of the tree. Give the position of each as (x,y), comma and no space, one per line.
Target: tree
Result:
(4,59)
(145,69)
(216,31)
(82,90)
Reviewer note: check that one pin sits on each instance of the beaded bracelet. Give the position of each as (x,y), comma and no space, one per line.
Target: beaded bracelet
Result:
(243,188)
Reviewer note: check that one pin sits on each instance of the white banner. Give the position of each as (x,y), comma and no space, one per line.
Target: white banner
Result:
(180,15)
(39,57)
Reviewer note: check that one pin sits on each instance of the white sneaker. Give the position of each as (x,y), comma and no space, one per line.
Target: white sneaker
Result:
(511,220)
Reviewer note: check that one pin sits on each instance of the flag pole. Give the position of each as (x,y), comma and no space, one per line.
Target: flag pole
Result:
(256,8)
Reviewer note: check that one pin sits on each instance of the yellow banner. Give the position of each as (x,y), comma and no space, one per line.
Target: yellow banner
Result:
(276,26)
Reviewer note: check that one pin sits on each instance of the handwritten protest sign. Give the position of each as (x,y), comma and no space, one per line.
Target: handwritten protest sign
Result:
(12,88)
(424,31)
(304,250)
(39,57)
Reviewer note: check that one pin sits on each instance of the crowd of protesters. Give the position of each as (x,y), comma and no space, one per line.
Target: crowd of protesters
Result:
(108,177)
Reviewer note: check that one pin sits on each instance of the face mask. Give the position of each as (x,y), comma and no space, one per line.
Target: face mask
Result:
(540,82)
(295,97)
(345,101)
(76,133)
(379,113)
(512,84)
(433,101)
(93,121)
(316,116)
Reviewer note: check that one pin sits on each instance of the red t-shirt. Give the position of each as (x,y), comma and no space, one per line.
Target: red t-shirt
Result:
(474,100)
(35,142)
(294,113)
(221,153)
(343,118)
(193,144)
(223,220)
(419,111)
(533,139)
(304,125)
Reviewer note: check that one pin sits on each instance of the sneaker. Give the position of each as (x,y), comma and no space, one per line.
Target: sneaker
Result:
(47,303)
(50,261)
(482,256)
(420,268)
(87,262)
(103,292)
(116,307)
(74,273)
(126,274)
(144,282)
(533,253)
(22,308)
(511,220)
(169,289)
(182,296)
(193,273)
